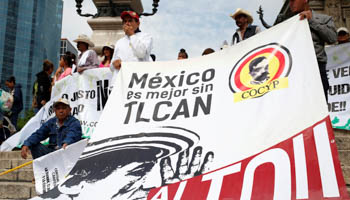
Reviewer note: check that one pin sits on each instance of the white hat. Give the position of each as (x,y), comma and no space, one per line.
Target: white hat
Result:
(109,45)
(84,38)
(61,100)
(343,29)
(240,11)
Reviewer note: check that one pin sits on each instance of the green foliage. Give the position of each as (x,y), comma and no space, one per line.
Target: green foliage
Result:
(22,121)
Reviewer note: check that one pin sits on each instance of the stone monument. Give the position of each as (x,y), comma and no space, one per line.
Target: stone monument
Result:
(106,24)
(338,9)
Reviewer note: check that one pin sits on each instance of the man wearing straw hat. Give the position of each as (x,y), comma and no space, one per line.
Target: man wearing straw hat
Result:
(87,58)
(135,46)
(243,20)
(62,130)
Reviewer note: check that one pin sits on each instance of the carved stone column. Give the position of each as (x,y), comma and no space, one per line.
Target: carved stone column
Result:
(107,24)
(317,5)
(346,12)
(338,9)
(333,8)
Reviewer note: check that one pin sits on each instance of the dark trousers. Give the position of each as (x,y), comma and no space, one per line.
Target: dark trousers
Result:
(14,119)
(325,83)
(40,150)
(4,134)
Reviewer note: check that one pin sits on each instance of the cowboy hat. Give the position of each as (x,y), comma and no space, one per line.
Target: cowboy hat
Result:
(84,38)
(240,11)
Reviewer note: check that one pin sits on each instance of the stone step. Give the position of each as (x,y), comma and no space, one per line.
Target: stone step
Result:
(10,155)
(24,175)
(343,142)
(344,157)
(346,174)
(17,190)
(10,164)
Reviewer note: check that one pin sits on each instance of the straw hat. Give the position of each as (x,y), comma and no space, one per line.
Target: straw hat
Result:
(84,38)
(240,11)
(62,101)
(109,45)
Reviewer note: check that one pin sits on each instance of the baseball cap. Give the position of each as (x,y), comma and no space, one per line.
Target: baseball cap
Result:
(130,13)
(61,100)
(344,29)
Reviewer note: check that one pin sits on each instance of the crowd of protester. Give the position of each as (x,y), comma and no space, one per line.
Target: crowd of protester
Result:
(137,46)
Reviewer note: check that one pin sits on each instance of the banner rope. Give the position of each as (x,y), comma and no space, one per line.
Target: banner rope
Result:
(18,167)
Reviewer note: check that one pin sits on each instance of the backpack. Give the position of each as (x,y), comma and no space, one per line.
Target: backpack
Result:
(9,126)
(6,101)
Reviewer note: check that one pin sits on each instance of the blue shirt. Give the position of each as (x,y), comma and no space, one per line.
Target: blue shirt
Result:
(69,133)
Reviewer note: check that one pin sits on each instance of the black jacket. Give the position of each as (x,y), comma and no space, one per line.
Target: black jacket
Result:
(44,87)
(250,31)
(17,106)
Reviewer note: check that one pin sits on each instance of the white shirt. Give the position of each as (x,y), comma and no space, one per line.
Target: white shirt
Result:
(88,59)
(135,48)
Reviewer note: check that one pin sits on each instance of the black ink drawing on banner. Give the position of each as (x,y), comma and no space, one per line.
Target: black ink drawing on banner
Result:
(184,168)
(259,70)
(118,167)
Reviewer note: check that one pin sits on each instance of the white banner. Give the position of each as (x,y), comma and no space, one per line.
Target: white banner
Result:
(87,94)
(247,122)
(49,170)
(338,67)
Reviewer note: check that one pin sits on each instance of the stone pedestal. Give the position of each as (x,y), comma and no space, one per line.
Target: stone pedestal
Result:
(108,29)
(338,9)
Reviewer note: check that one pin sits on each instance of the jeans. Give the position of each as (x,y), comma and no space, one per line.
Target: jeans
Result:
(40,150)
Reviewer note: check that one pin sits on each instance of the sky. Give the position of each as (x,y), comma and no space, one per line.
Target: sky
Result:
(190,24)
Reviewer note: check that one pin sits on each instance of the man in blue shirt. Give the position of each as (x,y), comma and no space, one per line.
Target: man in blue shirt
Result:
(62,130)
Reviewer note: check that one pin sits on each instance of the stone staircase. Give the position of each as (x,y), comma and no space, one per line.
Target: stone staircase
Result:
(17,184)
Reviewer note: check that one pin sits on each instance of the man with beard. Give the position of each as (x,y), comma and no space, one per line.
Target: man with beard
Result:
(243,20)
